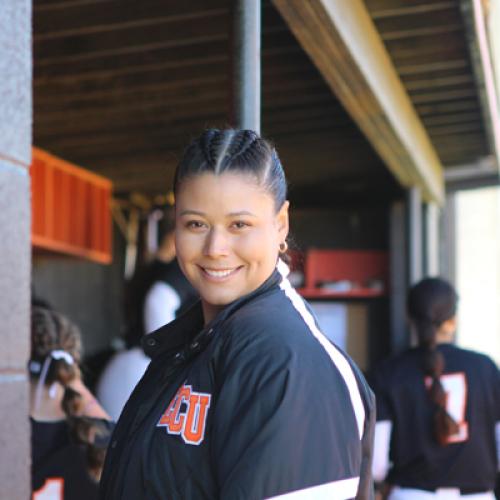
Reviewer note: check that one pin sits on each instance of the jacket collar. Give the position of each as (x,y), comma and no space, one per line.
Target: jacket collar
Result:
(188,329)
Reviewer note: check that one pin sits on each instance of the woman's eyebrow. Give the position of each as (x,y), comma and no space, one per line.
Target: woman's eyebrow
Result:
(231,214)
(242,212)
(192,212)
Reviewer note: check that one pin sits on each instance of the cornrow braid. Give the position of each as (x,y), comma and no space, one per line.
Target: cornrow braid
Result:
(240,151)
(242,143)
(223,156)
(207,146)
(431,302)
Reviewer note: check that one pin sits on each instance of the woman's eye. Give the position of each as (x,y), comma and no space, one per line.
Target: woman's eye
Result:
(239,224)
(195,224)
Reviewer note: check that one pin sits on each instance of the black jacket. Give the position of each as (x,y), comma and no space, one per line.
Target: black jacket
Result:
(251,406)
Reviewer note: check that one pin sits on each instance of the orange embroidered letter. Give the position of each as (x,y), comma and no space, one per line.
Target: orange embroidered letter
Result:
(186,415)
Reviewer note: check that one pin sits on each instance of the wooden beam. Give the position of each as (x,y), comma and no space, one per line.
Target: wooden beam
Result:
(193,75)
(448,95)
(189,107)
(452,130)
(450,46)
(440,20)
(413,67)
(380,9)
(97,17)
(342,41)
(138,59)
(452,118)
(138,39)
(426,31)
(465,141)
(83,48)
(198,60)
(447,81)
(439,108)
(212,87)
(146,124)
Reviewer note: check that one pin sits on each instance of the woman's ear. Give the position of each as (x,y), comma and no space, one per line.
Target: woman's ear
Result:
(282,220)
(450,325)
(447,330)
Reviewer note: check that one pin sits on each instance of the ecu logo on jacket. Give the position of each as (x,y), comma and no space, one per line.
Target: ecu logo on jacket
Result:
(186,415)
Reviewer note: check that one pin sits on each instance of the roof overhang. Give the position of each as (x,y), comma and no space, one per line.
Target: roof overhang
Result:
(483,173)
(482,52)
(342,41)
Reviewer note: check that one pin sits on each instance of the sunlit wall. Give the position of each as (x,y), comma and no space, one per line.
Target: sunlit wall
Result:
(478,270)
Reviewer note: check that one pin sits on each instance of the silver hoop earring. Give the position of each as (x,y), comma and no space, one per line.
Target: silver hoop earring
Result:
(283,247)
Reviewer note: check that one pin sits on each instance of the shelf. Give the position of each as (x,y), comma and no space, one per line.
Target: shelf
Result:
(360,293)
(358,268)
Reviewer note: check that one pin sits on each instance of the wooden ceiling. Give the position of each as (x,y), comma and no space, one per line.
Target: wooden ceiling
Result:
(427,42)
(120,86)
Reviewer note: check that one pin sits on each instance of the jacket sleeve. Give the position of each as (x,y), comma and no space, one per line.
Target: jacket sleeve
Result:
(284,423)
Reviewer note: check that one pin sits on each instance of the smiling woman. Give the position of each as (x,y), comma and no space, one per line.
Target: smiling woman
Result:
(228,235)
(245,398)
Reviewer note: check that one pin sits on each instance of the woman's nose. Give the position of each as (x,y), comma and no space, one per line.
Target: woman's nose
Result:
(216,244)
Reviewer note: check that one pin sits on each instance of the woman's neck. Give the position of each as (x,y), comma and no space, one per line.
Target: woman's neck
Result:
(445,339)
(209,312)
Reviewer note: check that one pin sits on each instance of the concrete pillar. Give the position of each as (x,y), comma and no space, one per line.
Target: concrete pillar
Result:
(15,247)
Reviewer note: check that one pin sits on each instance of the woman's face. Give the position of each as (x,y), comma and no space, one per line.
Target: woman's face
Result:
(227,236)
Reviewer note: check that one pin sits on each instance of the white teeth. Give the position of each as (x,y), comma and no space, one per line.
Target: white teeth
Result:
(218,274)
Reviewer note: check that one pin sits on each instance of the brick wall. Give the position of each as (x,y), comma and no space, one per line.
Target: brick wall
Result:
(15,153)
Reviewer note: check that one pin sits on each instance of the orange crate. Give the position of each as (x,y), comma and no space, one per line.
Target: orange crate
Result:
(70,209)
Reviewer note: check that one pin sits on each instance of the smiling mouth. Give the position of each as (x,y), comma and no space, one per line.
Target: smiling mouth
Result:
(220,274)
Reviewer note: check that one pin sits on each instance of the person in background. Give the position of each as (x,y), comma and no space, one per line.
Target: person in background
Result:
(167,291)
(70,431)
(438,408)
(157,295)
(245,398)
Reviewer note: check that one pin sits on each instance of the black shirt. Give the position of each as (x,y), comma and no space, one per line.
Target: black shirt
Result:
(137,290)
(472,382)
(256,404)
(58,465)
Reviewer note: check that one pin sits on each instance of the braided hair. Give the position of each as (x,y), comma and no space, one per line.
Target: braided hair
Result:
(242,151)
(56,351)
(431,302)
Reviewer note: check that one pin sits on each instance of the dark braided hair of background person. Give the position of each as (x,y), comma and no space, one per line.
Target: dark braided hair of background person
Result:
(431,302)
(51,331)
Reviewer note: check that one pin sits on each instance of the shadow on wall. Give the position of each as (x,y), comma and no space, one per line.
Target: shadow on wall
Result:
(90,294)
